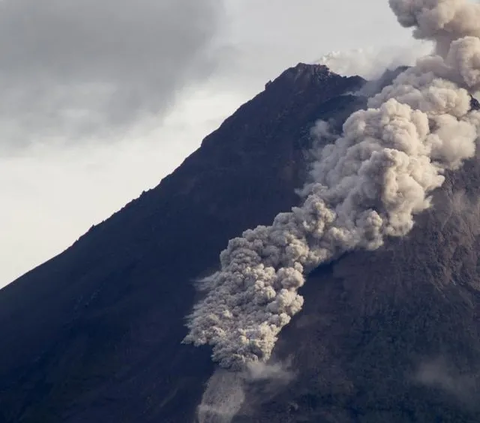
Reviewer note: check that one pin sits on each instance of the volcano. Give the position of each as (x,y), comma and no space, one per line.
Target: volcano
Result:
(392,335)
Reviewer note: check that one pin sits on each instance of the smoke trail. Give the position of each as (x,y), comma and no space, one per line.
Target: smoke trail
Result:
(366,186)
(225,393)
(222,399)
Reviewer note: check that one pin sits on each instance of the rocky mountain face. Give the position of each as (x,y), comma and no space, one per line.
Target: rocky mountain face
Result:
(94,335)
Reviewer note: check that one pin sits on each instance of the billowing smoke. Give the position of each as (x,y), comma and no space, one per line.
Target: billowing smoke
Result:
(441,21)
(366,186)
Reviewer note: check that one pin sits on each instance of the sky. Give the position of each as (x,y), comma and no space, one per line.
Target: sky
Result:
(103,98)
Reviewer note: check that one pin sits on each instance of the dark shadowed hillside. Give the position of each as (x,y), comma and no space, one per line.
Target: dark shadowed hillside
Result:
(94,335)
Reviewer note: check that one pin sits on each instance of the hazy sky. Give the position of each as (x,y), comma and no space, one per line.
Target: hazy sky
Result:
(102,98)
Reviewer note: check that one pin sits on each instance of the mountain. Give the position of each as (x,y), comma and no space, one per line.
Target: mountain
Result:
(94,335)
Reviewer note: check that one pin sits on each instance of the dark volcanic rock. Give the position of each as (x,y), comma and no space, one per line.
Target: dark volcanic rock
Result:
(94,334)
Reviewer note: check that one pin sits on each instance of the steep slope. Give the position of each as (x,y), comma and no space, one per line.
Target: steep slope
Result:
(94,334)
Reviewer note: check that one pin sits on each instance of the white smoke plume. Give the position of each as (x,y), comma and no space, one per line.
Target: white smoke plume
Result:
(368,185)
(371,63)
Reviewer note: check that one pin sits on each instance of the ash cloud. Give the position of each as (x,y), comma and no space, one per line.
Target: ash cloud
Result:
(366,186)
(77,68)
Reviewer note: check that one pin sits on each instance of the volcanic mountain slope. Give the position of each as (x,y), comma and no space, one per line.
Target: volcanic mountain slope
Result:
(391,336)
(95,334)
